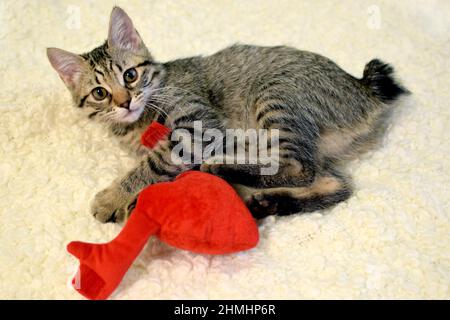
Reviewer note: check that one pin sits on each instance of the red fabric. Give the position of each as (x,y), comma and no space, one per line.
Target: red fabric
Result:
(154,133)
(102,266)
(198,212)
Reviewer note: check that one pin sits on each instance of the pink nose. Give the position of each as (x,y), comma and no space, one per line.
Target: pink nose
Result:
(125,104)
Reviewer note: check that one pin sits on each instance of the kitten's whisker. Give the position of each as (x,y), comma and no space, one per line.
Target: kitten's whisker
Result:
(158,109)
(171,89)
(166,100)
(162,98)
(174,104)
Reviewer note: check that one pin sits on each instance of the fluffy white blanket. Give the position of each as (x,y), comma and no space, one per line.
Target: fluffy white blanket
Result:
(390,240)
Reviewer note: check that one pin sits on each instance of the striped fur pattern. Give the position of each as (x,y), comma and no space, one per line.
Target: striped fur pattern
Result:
(325,116)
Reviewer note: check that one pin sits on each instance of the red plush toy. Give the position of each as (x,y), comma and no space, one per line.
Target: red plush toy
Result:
(197,212)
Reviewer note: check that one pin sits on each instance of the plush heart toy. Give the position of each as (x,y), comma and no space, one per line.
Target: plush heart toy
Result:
(197,212)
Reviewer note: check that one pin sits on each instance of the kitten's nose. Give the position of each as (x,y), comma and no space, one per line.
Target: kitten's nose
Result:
(125,104)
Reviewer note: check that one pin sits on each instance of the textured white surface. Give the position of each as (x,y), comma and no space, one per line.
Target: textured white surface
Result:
(390,240)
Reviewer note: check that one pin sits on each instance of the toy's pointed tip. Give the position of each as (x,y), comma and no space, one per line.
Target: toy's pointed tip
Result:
(78,249)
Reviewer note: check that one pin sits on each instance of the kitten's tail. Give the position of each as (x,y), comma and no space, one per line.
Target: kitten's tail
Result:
(378,77)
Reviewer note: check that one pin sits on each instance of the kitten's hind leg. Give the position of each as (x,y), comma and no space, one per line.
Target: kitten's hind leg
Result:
(289,174)
(326,191)
(247,174)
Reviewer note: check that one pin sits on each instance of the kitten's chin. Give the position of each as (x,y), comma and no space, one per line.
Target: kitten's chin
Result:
(131,116)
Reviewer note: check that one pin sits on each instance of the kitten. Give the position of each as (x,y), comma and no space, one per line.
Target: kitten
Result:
(325,116)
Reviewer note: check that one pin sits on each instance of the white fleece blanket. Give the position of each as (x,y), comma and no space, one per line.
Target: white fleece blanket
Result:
(390,240)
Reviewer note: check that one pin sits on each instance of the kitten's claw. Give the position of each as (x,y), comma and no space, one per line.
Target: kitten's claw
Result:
(128,210)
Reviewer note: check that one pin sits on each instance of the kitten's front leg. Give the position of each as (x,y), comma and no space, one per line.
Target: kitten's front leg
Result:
(115,202)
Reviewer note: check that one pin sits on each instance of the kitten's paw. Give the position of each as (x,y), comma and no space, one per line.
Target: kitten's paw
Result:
(261,205)
(109,205)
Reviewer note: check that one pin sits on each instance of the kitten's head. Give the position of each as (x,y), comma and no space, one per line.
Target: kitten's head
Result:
(113,81)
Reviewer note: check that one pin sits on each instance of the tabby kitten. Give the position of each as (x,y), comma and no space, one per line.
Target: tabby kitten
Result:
(324,115)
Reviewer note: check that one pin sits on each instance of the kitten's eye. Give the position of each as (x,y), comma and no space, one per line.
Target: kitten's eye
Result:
(99,93)
(130,75)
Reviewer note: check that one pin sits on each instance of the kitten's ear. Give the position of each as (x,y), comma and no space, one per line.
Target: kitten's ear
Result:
(122,33)
(68,65)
